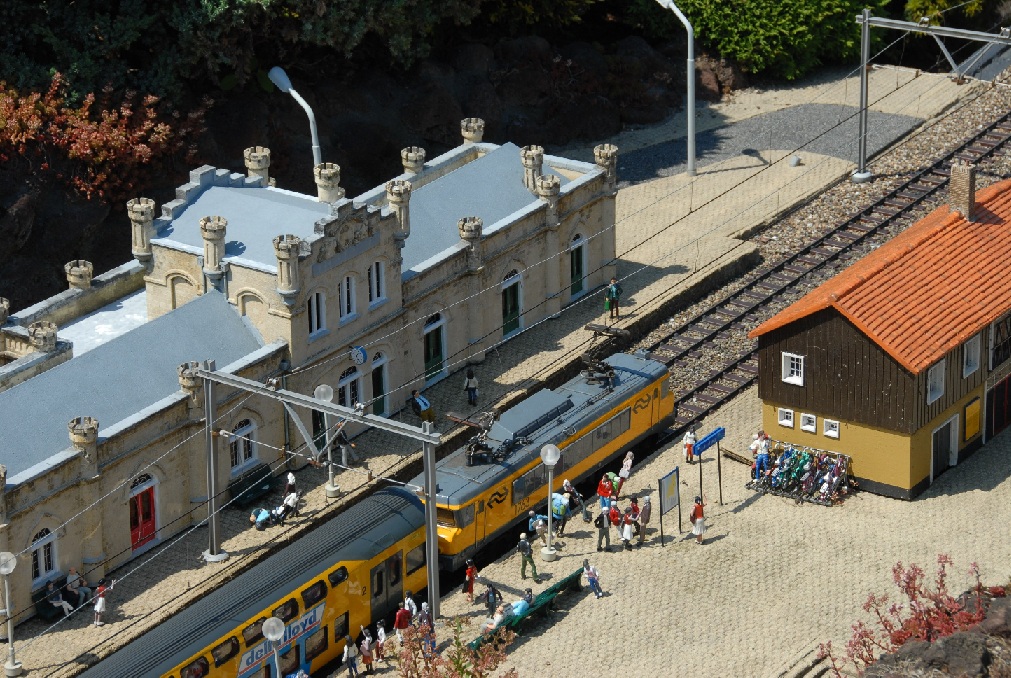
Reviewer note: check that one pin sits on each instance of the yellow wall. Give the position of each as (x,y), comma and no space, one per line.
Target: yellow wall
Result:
(878,455)
(882,456)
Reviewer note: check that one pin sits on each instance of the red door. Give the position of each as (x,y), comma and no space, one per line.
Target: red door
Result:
(142,527)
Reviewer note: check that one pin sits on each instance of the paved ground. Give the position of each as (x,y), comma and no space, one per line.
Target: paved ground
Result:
(720,609)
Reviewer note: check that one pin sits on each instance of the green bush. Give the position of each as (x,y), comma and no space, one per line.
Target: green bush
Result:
(154,46)
(773,37)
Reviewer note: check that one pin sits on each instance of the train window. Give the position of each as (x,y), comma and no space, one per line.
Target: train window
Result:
(415,559)
(287,610)
(253,633)
(340,628)
(225,651)
(378,584)
(394,568)
(445,517)
(612,428)
(316,644)
(465,516)
(314,594)
(528,482)
(579,450)
(338,576)
(198,669)
(289,661)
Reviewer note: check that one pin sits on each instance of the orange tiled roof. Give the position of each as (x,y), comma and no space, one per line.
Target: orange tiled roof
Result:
(928,289)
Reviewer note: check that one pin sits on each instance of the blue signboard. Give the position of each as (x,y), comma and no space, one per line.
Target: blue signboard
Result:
(709,439)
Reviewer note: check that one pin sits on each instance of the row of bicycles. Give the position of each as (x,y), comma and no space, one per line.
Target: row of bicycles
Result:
(804,475)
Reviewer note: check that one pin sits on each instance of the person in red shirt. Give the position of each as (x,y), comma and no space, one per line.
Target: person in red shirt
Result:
(605,488)
(401,621)
(615,516)
(471,575)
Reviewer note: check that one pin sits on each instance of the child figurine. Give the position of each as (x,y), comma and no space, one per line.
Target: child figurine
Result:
(689,444)
(380,646)
(100,592)
(366,648)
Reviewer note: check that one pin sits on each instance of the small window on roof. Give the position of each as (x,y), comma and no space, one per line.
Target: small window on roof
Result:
(225,651)
(314,594)
(287,611)
(338,576)
(253,634)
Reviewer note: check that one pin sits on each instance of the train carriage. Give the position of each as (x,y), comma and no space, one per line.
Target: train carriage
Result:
(348,572)
(590,419)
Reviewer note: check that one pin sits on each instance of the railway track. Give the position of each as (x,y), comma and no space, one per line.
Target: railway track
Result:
(734,315)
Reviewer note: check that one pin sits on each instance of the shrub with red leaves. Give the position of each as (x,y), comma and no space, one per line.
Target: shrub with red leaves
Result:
(102,150)
(929,613)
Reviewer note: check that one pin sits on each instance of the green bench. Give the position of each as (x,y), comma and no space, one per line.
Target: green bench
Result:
(45,610)
(250,486)
(541,605)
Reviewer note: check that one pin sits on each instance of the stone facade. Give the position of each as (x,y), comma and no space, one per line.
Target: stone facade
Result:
(313,276)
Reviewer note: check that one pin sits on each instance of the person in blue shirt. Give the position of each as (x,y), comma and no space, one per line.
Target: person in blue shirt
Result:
(260,517)
(422,406)
(538,525)
(560,512)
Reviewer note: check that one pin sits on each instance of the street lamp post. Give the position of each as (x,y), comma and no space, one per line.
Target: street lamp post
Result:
(550,454)
(690,104)
(280,79)
(8,561)
(273,630)
(325,392)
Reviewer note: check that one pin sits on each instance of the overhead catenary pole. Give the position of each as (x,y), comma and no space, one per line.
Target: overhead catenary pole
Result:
(431,533)
(213,554)
(690,103)
(862,175)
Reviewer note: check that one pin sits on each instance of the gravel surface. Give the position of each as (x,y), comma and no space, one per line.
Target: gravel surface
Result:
(812,220)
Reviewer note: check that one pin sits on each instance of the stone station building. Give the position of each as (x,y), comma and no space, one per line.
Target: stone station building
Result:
(426,273)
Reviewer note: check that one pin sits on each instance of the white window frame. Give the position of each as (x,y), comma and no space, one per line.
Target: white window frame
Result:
(785,417)
(43,556)
(970,355)
(935,381)
(344,390)
(316,308)
(346,299)
(830,428)
(377,283)
(242,443)
(809,423)
(793,368)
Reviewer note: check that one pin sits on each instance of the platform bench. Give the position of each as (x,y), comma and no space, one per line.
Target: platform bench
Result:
(541,605)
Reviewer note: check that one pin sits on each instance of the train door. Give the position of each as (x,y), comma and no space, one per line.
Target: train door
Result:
(479,521)
(387,585)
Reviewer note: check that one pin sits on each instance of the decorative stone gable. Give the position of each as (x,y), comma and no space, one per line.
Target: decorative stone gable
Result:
(351,225)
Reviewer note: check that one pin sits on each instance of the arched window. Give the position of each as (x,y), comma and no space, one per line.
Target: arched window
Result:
(511,303)
(379,384)
(377,283)
(43,554)
(577,265)
(243,445)
(346,295)
(317,312)
(434,347)
(349,391)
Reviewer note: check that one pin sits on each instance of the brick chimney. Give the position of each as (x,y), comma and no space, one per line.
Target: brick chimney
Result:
(962,189)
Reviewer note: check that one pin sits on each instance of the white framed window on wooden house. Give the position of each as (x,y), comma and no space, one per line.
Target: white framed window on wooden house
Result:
(809,423)
(970,356)
(793,368)
(830,428)
(935,381)
(785,417)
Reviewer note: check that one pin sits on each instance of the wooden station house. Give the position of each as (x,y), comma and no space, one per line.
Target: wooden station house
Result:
(902,360)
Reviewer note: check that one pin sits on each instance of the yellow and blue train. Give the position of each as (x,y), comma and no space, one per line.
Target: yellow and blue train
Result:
(354,569)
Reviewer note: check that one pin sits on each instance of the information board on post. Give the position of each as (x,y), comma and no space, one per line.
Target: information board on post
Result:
(670,496)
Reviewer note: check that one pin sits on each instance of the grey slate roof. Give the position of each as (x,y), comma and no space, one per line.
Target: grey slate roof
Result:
(459,483)
(115,380)
(490,187)
(255,216)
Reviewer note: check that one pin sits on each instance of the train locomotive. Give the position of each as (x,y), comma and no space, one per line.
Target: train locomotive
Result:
(354,569)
